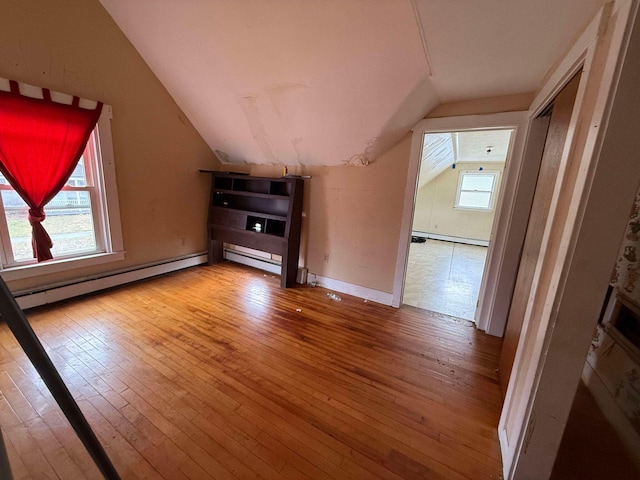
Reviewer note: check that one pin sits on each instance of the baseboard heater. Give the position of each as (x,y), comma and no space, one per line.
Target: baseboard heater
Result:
(271,266)
(54,293)
(262,263)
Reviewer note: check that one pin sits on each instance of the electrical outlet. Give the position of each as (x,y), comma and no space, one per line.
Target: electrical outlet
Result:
(326,258)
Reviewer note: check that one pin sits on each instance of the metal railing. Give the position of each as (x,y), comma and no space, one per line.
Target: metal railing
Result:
(17,322)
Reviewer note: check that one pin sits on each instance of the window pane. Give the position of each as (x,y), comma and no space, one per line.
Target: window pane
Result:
(78,178)
(69,223)
(478,182)
(19,228)
(474,199)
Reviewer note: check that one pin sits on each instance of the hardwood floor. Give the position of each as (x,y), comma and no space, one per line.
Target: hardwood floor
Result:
(213,373)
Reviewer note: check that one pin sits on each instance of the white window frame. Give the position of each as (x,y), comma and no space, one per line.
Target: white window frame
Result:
(91,187)
(105,210)
(493,194)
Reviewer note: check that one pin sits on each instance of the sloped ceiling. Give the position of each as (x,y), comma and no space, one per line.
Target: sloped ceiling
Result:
(441,150)
(331,82)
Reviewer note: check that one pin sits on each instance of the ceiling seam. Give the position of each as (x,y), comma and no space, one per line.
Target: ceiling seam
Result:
(425,48)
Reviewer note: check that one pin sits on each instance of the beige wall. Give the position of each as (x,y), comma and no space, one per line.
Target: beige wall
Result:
(505,103)
(73,46)
(352,217)
(353,214)
(434,209)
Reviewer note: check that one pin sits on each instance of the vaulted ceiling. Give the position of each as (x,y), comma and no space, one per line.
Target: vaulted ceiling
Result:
(442,149)
(331,82)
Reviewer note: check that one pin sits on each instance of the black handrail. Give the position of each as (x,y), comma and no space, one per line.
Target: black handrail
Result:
(19,325)
(5,468)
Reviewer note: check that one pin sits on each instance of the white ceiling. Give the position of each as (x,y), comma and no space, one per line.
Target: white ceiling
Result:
(482,145)
(330,82)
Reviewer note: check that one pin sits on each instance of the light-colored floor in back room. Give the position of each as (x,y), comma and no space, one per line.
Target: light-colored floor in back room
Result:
(444,277)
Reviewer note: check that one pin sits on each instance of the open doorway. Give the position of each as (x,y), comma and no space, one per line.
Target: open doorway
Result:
(509,225)
(457,195)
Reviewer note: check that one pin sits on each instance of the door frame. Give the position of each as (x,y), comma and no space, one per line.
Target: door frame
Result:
(507,233)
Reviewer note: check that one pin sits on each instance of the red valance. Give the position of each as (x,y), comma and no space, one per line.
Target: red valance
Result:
(41,142)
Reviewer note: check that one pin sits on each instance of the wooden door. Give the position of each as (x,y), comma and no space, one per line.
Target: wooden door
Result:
(557,117)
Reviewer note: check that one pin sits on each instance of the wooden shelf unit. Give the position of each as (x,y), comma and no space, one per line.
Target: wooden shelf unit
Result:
(262,213)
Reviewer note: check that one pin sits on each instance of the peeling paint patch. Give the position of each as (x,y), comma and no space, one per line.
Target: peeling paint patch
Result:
(365,158)
(226,158)
(283,101)
(222,156)
(248,104)
(358,160)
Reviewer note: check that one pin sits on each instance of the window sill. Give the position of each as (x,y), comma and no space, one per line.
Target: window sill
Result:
(55,266)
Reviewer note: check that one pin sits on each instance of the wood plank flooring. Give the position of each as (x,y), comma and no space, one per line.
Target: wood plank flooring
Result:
(213,373)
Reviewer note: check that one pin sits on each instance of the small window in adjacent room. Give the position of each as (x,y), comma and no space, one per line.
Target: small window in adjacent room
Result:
(477,190)
(83,219)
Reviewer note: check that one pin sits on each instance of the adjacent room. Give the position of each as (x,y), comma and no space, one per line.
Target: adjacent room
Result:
(457,195)
(275,239)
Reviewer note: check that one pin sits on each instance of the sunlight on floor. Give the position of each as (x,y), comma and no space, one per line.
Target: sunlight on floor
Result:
(444,277)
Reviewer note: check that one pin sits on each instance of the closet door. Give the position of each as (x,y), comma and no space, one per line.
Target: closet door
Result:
(555,120)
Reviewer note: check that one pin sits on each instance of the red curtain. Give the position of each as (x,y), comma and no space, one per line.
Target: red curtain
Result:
(41,142)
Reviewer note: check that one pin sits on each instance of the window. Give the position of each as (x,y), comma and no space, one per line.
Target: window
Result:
(476,190)
(82,219)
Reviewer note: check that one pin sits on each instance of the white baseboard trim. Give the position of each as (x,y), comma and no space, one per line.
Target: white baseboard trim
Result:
(350,289)
(62,292)
(55,293)
(449,238)
(330,283)
(255,262)
(610,409)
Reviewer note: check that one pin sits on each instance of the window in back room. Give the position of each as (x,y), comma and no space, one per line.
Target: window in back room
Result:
(455,204)
(476,190)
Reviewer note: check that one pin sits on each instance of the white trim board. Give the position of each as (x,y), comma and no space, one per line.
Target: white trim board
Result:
(56,293)
(449,238)
(367,294)
(59,265)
